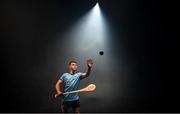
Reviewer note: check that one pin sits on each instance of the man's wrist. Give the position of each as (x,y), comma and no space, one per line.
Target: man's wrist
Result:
(59,92)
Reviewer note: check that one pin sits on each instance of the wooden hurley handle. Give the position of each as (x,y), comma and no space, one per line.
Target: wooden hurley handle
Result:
(89,88)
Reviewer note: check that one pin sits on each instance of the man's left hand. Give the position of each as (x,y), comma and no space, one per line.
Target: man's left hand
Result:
(90,63)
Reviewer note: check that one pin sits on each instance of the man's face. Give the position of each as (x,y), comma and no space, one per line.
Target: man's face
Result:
(73,66)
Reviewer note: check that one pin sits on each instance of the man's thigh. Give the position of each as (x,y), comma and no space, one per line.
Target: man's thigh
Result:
(74,105)
(64,107)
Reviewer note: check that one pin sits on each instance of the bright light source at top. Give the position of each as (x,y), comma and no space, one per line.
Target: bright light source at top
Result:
(96,8)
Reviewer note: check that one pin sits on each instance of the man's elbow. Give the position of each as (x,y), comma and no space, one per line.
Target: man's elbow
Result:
(88,74)
(58,83)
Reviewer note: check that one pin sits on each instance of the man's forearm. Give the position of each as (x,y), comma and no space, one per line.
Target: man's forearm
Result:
(88,71)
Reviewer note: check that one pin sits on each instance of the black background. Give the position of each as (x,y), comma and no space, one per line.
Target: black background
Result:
(28,27)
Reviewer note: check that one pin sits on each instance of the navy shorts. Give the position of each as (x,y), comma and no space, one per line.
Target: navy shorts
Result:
(66,105)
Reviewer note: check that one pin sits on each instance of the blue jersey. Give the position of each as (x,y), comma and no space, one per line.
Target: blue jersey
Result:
(70,83)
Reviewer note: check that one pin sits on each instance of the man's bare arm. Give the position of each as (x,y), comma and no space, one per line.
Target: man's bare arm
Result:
(84,75)
(89,64)
(58,88)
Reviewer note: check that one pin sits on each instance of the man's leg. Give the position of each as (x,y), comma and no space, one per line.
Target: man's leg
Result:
(76,110)
(76,106)
(64,107)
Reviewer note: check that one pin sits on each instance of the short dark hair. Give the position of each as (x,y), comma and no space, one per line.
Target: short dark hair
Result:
(72,62)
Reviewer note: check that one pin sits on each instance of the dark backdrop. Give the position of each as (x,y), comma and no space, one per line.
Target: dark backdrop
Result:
(29,28)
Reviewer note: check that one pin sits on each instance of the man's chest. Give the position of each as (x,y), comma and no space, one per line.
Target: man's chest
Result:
(70,78)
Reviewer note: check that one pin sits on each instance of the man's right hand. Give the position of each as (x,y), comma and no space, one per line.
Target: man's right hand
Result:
(58,94)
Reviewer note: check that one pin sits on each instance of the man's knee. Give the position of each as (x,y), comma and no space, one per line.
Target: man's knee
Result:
(64,109)
(76,110)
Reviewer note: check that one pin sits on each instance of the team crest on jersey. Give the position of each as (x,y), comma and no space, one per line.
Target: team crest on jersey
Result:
(68,83)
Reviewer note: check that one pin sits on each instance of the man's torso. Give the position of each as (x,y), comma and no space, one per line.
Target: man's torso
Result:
(70,83)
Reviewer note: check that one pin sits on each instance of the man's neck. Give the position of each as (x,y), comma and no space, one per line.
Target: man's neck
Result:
(72,72)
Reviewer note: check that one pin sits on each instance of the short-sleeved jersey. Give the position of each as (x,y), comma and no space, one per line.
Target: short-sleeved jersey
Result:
(70,83)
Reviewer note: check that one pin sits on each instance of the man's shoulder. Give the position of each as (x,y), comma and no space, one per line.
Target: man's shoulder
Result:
(65,74)
(79,73)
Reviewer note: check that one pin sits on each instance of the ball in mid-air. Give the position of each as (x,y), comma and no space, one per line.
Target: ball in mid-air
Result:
(101,52)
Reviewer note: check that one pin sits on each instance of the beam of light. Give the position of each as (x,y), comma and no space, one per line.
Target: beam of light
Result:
(90,33)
